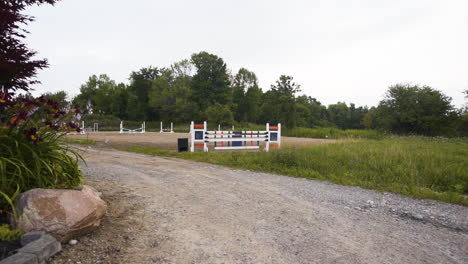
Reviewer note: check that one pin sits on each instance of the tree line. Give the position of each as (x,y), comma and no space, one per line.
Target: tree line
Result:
(202,88)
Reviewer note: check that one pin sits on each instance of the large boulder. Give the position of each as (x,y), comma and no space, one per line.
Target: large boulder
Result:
(64,214)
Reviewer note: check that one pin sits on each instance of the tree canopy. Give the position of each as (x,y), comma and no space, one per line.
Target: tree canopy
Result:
(17,66)
(202,88)
(414,109)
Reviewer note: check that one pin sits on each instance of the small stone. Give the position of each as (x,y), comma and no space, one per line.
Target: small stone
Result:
(73,242)
(357,208)
(371,204)
(418,217)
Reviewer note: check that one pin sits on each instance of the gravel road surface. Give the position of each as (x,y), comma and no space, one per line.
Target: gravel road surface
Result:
(166,210)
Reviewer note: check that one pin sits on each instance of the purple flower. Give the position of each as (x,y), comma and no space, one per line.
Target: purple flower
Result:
(31,135)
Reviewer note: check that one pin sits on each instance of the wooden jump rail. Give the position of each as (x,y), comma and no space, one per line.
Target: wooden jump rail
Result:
(200,136)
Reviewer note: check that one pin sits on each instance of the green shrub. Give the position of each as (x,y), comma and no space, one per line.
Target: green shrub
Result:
(7,234)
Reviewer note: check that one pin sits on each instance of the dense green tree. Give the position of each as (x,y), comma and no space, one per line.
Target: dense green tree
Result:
(96,95)
(252,104)
(462,124)
(138,94)
(244,81)
(356,114)
(219,114)
(171,94)
(60,97)
(415,109)
(367,121)
(339,114)
(282,102)
(210,84)
(314,116)
(119,101)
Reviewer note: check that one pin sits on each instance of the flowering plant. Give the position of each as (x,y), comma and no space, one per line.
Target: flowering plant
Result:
(36,118)
(31,152)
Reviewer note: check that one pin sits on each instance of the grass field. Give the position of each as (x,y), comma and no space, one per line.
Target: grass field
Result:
(333,133)
(417,167)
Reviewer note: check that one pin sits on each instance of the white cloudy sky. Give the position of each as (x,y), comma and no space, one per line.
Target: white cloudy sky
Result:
(338,50)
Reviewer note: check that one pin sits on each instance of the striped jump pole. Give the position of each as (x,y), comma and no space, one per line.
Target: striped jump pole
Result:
(201,136)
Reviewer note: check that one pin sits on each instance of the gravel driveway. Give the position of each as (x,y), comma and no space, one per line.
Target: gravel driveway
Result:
(166,210)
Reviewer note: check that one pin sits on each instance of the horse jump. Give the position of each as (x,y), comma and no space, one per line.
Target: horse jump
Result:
(226,140)
(137,130)
(166,130)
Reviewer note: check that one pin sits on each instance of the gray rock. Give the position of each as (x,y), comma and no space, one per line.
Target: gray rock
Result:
(418,217)
(30,237)
(43,248)
(20,258)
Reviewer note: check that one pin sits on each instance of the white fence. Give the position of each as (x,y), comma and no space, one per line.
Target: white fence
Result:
(137,130)
(166,130)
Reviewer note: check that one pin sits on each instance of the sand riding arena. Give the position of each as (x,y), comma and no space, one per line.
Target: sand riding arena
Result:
(169,140)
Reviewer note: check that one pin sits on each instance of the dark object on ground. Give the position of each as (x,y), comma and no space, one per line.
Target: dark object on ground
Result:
(182,144)
(39,248)
(8,248)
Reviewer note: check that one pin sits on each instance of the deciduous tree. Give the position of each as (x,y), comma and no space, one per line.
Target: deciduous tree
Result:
(210,84)
(415,109)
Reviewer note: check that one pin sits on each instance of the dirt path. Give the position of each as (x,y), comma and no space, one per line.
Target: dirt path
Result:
(165,210)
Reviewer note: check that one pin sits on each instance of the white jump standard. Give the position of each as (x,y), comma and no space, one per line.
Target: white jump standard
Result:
(82,128)
(227,140)
(137,130)
(166,130)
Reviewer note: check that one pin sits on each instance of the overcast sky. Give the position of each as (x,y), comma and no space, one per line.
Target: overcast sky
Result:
(343,50)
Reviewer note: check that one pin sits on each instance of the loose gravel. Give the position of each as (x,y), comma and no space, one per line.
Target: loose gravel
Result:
(166,210)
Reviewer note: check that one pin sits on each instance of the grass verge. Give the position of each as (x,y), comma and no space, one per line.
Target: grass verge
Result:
(425,169)
(80,141)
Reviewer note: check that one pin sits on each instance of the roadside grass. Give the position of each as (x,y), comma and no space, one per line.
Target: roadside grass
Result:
(418,167)
(80,141)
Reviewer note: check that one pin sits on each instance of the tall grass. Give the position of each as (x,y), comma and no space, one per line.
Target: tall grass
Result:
(332,133)
(24,165)
(410,166)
